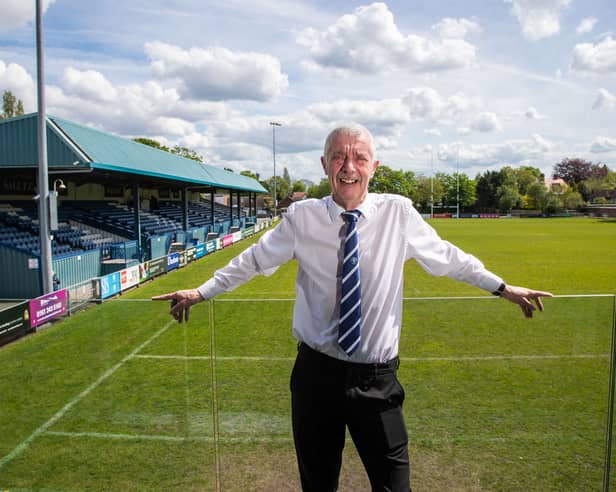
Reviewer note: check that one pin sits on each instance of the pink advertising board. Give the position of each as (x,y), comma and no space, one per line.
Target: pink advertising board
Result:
(47,307)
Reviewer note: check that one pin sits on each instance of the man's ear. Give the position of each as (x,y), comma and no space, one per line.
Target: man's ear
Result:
(374,166)
(324,164)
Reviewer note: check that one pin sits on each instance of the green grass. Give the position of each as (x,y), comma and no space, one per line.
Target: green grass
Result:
(118,398)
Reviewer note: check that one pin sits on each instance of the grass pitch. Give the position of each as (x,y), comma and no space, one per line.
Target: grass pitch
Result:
(118,397)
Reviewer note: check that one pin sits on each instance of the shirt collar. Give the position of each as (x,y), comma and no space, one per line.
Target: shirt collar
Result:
(367,207)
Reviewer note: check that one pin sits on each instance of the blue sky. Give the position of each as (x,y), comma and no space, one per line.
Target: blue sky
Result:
(475,84)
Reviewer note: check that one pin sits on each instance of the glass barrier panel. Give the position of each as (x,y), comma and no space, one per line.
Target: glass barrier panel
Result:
(255,351)
(117,397)
(496,401)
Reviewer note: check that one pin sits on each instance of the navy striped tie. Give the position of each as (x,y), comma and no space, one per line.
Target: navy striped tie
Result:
(350,292)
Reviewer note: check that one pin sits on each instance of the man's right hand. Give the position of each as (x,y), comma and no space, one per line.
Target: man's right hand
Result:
(181,301)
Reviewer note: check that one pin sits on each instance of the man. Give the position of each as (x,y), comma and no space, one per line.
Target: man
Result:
(351,248)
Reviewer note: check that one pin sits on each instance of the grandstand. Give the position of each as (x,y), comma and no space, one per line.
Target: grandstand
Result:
(124,201)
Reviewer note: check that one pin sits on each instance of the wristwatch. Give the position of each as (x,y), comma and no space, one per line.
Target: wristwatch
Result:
(499,291)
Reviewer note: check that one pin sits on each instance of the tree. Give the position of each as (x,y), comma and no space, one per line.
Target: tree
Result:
(428,188)
(151,143)
(551,203)
(187,153)
(535,196)
(320,190)
(299,186)
(572,200)
(451,183)
(11,106)
(527,176)
(508,192)
(508,197)
(386,180)
(177,150)
(486,190)
(575,170)
(250,174)
(282,187)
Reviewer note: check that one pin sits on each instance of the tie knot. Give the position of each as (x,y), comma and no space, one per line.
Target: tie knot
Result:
(351,215)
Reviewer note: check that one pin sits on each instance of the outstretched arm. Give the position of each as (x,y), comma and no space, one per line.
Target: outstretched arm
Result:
(181,302)
(529,300)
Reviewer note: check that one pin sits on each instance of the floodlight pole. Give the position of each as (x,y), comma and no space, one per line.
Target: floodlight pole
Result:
(274,125)
(458,184)
(431,183)
(43,187)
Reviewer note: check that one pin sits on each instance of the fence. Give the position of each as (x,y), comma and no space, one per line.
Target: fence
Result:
(494,401)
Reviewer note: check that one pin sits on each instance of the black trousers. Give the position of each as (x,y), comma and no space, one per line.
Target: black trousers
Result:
(329,395)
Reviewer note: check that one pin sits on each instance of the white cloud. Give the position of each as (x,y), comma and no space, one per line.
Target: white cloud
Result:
(605,100)
(89,84)
(435,132)
(538,18)
(532,114)
(369,41)
(216,74)
(15,78)
(509,152)
(603,144)
(586,25)
(599,58)
(384,111)
(172,126)
(136,109)
(16,13)
(456,28)
(486,122)
(426,103)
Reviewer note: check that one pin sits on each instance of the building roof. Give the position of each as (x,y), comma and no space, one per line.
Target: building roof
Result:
(71,147)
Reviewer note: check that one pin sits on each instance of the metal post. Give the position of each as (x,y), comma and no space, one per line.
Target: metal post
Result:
(239,204)
(458,185)
(607,466)
(274,125)
(137,216)
(212,208)
(43,186)
(185,224)
(431,184)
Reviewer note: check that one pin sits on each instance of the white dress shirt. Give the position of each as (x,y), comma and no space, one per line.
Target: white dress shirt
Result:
(390,232)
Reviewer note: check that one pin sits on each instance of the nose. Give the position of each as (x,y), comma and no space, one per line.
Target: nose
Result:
(348,164)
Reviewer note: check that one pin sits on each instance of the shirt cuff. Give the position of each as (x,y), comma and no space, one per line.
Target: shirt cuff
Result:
(209,289)
(490,282)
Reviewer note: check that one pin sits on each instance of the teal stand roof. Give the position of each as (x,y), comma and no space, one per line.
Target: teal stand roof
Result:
(73,145)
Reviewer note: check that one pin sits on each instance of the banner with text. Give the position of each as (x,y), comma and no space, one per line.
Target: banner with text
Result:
(110,285)
(14,322)
(129,277)
(173,261)
(47,307)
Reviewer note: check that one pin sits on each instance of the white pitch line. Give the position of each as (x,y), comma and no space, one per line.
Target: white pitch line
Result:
(504,357)
(402,359)
(149,437)
(282,439)
(207,357)
(60,413)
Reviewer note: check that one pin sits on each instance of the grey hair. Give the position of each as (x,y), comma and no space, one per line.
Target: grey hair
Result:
(353,129)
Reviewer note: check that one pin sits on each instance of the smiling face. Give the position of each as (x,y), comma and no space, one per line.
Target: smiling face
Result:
(349,165)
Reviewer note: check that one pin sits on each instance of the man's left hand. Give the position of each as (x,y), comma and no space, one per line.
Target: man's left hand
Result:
(529,300)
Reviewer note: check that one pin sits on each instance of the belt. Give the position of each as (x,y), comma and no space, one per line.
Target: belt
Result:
(359,368)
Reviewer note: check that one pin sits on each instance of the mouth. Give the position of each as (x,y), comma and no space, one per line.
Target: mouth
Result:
(348,181)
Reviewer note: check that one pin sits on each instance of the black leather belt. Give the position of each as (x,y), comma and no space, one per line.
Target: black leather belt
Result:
(356,367)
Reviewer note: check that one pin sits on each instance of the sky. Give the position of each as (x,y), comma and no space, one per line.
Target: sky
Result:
(469,85)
